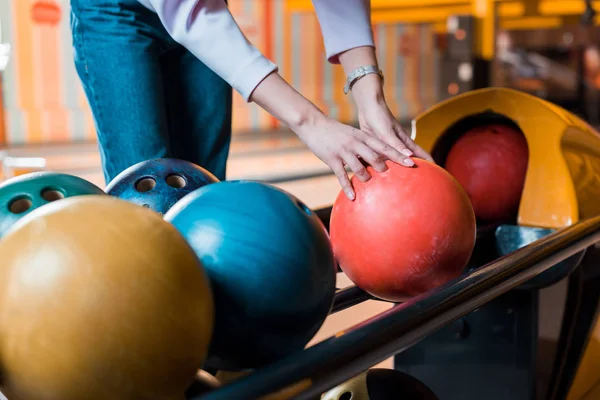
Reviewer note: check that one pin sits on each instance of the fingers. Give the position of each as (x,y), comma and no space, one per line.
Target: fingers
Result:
(371,157)
(387,151)
(402,142)
(363,150)
(418,151)
(359,169)
(337,166)
(410,144)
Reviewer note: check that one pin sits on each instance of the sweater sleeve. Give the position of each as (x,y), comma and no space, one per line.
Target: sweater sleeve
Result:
(345,24)
(208,30)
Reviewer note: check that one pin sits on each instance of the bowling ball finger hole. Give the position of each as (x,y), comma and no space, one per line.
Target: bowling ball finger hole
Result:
(52,195)
(346,396)
(303,207)
(20,205)
(176,181)
(145,185)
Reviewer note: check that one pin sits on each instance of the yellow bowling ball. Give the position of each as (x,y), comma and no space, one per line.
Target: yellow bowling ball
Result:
(100,299)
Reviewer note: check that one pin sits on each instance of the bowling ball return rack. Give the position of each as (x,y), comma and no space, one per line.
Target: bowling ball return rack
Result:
(534,258)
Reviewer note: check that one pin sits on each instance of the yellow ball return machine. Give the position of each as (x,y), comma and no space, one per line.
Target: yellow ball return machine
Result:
(491,353)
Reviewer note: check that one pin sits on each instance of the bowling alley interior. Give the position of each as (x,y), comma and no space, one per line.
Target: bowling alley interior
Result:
(465,269)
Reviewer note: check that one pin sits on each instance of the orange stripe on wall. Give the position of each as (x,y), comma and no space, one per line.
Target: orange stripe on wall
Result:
(411,73)
(391,49)
(55,118)
(37,108)
(309,58)
(24,66)
(267,24)
(319,69)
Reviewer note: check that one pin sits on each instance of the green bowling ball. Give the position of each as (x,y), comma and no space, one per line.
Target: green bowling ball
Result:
(25,193)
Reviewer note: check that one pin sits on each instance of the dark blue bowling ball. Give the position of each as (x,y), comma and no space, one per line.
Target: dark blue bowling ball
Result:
(160,183)
(271,267)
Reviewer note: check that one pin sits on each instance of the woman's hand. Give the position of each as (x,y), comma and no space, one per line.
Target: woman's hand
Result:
(375,117)
(336,144)
(340,145)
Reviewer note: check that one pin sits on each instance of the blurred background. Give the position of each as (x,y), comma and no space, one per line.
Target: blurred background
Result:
(540,47)
(428,51)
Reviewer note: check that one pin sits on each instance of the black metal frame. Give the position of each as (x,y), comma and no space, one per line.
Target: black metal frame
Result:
(349,297)
(339,358)
(580,314)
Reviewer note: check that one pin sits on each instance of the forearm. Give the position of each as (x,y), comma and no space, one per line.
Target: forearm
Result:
(283,102)
(369,88)
(357,57)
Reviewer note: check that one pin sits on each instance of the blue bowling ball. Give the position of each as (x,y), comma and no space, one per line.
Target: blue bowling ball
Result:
(160,183)
(271,267)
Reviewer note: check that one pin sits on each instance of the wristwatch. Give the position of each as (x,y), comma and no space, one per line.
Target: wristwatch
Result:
(358,74)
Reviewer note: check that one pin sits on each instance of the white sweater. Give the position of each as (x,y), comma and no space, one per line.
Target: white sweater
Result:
(207,29)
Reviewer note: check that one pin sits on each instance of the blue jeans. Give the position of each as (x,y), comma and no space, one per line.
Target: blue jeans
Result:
(150,97)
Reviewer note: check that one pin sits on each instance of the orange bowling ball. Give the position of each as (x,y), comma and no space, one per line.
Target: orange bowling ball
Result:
(490,162)
(408,230)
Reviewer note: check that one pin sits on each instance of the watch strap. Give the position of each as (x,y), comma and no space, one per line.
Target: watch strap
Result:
(358,73)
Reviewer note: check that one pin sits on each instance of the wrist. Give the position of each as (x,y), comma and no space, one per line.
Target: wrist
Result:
(308,115)
(368,90)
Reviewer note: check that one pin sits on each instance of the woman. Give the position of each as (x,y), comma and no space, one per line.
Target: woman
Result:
(158,76)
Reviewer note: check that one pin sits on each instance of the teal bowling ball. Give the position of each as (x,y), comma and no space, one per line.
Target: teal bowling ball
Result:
(271,267)
(25,193)
(159,183)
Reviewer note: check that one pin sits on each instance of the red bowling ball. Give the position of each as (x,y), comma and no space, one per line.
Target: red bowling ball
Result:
(408,230)
(490,162)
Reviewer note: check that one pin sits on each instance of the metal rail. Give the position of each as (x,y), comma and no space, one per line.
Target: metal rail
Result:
(320,367)
(349,297)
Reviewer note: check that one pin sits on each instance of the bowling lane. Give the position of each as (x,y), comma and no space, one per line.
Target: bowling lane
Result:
(315,192)
(241,144)
(282,158)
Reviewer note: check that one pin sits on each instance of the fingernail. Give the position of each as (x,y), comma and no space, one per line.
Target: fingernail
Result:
(406,152)
(350,194)
(408,162)
(381,168)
